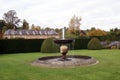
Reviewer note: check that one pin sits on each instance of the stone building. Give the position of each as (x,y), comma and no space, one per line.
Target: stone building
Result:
(30,34)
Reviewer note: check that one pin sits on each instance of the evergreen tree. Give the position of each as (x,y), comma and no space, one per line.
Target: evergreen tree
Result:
(25,24)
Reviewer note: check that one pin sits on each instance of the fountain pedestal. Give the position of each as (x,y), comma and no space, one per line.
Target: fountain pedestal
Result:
(63,46)
(63,51)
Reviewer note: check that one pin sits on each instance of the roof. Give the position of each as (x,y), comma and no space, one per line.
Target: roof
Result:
(30,32)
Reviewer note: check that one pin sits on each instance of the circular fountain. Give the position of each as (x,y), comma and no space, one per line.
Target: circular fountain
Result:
(64,60)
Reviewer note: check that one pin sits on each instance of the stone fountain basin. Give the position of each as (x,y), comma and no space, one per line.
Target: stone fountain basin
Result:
(71,61)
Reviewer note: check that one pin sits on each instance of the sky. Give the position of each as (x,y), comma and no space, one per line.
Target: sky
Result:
(101,14)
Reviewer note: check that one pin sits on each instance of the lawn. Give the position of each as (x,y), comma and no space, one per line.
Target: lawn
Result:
(18,67)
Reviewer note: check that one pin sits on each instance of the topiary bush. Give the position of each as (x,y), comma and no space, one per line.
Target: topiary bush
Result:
(94,44)
(48,46)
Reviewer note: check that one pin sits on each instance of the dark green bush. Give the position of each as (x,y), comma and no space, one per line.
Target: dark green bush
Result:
(48,46)
(94,44)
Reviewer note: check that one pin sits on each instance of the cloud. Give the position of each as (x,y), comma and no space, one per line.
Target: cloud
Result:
(101,14)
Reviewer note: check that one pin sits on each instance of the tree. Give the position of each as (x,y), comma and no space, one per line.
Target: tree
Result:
(25,24)
(38,28)
(2,27)
(57,30)
(33,27)
(2,24)
(93,28)
(115,31)
(47,28)
(74,23)
(74,26)
(97,32)
(118,33)
(11,19)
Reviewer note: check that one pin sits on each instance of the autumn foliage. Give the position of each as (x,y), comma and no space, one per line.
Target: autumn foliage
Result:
(97,32)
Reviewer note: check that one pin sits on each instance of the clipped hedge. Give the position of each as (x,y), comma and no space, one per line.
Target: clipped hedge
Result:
(107,37)
(20,45)
(81,43)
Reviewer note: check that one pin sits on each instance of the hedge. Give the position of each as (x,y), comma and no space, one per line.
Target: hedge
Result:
(34,45)
(20,45)
(108,37)
(81,43)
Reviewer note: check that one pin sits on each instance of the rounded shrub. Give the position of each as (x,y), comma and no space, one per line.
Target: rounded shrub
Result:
(94,44)
(48,46)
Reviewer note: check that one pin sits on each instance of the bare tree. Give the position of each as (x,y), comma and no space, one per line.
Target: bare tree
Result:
(11,19)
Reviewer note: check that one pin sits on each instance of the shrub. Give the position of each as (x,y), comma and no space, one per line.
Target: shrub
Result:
(114,44)
(105,44)
(94,44)
(48,46)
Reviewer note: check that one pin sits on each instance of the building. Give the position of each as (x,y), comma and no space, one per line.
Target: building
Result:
(30,34)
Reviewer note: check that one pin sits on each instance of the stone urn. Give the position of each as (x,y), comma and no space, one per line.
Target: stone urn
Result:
(63,46)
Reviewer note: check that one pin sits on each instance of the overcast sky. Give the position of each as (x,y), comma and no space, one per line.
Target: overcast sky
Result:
(102,14)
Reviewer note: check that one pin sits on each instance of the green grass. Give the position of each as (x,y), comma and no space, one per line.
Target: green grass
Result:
(18,67)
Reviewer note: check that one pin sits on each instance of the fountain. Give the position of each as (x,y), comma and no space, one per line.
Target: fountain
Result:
(63,45)
(64,60)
